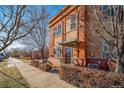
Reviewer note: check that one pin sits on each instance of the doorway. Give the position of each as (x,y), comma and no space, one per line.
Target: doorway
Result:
(68,55)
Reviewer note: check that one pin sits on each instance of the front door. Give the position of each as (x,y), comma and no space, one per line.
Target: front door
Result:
(68,55)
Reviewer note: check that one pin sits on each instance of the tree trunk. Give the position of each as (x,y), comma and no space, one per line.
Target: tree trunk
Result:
(30,53)
(43,55)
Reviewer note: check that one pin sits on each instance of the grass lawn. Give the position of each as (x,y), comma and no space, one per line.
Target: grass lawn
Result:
(3,63)
(25,60)
(6,82)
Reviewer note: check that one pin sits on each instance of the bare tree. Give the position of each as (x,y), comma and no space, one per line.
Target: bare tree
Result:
(37,39)
(15,23)
(108,24)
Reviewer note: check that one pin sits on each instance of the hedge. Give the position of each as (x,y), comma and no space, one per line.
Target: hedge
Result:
(35,63)
(90,78)
(45,66)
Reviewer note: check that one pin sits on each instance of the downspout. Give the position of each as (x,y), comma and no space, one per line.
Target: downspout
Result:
(85,12)
(63,38)
(78,29)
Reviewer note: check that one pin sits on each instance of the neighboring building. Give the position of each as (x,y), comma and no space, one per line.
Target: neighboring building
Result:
(37,55)
(70,39)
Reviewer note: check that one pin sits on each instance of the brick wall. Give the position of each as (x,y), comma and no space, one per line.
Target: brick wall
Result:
(78,50)
(93,41)
(90,44)
(51,44)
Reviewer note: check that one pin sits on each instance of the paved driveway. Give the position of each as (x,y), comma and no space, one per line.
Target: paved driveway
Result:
(38,78)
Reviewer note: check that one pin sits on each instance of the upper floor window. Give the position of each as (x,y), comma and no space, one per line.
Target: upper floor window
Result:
(57,30)
(54,31)
(105,50)
(108,11)
(73,22)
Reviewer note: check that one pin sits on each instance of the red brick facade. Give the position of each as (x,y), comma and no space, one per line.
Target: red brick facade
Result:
(82,48)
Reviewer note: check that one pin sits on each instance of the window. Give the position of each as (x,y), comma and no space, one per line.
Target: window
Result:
(57,52)
(73,22)
(106,55)
(57,30)
(105,50)
(108,11)
(68,55)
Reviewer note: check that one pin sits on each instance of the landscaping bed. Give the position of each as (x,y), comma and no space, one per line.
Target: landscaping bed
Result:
(47,66)
(35,63)
(90,78)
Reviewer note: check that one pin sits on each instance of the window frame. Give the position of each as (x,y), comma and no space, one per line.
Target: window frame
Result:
(74,22)
(105,50)
(54,31)
(106,12)
(57,52)
(58,31)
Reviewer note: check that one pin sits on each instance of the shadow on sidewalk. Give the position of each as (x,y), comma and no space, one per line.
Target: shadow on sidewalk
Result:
(54,70)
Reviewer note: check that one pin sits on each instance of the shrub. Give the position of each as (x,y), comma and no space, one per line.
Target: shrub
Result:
(35,63)
(88,77)
(45,66)
(112,65)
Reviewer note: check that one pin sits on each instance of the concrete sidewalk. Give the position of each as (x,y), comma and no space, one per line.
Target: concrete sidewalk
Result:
(38,78)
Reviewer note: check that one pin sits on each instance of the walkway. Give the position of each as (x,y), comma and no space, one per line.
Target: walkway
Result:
(38,78)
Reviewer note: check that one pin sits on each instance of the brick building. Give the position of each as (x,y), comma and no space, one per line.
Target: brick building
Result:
(70,39)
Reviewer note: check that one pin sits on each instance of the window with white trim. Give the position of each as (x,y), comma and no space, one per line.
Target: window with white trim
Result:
(105,50)
(57,52)
(55,30)
(73,23)
(58,30)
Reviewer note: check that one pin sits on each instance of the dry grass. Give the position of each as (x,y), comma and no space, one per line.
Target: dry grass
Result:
(25,60)
(3,63)
(6,82)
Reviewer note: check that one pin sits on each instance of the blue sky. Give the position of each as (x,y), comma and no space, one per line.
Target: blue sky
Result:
(54,10)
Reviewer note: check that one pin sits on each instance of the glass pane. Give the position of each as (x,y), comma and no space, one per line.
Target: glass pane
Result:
(73,18)
(73,26)
(57,52)
(68,55)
